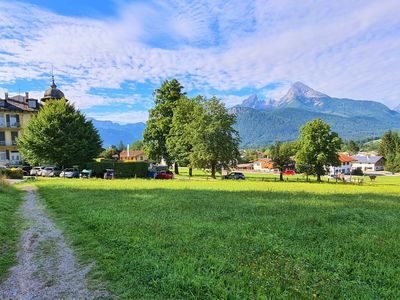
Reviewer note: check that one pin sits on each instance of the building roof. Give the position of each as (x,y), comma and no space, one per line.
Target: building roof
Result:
(19,105)
(132,153)
(345,158)
(367,159)
(265,159)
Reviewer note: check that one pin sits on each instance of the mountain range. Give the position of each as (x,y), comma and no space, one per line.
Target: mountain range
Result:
(114,133)
(262,122)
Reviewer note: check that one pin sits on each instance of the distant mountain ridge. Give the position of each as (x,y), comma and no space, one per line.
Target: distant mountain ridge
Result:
(114,133)
(261,122)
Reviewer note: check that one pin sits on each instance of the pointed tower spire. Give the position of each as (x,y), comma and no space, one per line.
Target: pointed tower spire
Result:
(53,85)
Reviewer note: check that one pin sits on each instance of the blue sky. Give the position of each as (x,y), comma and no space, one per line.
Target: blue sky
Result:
(109,56)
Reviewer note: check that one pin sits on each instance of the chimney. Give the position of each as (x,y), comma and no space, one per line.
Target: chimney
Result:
(6,95)
(26,95)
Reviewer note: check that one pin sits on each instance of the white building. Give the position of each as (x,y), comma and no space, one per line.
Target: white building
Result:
(368,163)
(346,164)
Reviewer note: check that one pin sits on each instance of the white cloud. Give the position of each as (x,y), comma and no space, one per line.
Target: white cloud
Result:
(121,117)
(343,48)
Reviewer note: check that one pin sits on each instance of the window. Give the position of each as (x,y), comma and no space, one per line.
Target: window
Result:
(32,103)
(12,121)
(2,138)
(2,122)
(3,155)
(14,136)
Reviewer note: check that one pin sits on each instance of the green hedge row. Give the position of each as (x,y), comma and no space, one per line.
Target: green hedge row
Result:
(12,173)
(122,169)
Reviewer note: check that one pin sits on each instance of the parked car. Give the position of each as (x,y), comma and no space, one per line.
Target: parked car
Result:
(70,173)
(26,170)
(235,175)
(164,175)
(109,174)
(51,172)
(36,171)
(86,173)
(289,172)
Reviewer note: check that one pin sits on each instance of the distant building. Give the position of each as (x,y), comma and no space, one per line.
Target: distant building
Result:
(346,163)
(15,113)
(368,163)
(133,155)
(263,164)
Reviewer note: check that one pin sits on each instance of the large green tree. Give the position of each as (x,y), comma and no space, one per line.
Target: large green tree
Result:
(390,149)
(59,135)
(180,138)
(281,154)
(160,119)
(318,147)
(215,142)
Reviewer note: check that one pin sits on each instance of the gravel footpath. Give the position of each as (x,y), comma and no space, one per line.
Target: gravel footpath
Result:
(47,267)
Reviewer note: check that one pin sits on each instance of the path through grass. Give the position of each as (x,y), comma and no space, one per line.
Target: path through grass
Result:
(238,240)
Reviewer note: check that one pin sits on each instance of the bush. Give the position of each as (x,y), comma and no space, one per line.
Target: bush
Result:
(13,173)
(122,169)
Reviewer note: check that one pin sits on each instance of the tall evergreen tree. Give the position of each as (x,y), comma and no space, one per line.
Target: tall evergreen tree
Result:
(59,135)
(318,147)
(159,123)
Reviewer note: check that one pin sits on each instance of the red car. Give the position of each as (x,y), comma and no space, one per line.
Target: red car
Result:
(289,172)
(164,175)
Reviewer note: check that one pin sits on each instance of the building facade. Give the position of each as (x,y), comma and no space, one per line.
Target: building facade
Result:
(369,163)
(345,167)
(133,155)
(15,114)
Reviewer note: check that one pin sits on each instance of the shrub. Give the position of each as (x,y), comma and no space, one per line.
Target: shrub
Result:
(122,169)
(13,173)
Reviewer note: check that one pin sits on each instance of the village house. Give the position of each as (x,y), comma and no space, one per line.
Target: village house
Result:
(263,165)
(15,113)
(133,155)
(345,167)
(368,163)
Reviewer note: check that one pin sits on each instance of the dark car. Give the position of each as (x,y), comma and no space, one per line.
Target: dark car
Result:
(164,175)
(109,174)
(70,173)
(235,175)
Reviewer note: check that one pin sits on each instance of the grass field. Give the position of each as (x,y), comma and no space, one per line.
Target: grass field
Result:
(237,240)
(10,199)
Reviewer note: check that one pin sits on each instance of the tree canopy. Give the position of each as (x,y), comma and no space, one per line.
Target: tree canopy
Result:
(160,118)
(318,147)
(215,142)
(281,154)
(59,135)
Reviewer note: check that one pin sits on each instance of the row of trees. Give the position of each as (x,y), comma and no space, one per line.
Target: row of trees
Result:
(196,132)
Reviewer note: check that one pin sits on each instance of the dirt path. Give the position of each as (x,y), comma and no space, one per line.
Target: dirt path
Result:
(47,268)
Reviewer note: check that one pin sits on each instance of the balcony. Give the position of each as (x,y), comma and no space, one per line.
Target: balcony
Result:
(7,143)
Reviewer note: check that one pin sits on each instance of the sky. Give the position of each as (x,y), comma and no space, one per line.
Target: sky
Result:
(109,55)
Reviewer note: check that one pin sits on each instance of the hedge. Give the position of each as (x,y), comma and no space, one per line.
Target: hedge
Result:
(13,173)
(122,169)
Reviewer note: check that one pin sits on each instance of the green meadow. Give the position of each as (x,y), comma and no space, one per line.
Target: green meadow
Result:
(10,199)
(220,239)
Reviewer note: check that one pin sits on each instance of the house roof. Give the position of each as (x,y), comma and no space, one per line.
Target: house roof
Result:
(264,159)
(345,158)
(367,159)
(19,104)
(132,153)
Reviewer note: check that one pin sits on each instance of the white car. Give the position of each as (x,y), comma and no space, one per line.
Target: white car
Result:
(36,171)
(70,173)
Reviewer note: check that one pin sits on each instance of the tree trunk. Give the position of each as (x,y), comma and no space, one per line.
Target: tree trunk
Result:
(281,176)
(176,168)
(190,171)
(318,177)
(213,171)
